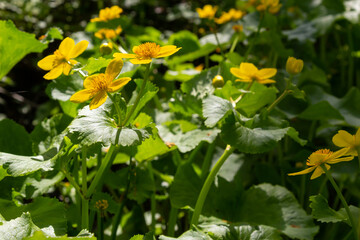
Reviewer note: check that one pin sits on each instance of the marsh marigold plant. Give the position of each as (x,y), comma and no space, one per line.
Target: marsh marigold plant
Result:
(346,140)
(144,53)
(232,15)
(208,11)
(323,157)
(97,86)
(247,72)
(62,60)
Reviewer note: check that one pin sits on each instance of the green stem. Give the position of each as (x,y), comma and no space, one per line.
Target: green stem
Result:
(122,205)
(208,182)
(252,43)
(342,199)
(218,43)
(152,200)
(233,45)
(85,201)
(78,195)
(207,161)
(147,71)
(242,94)
(73,183)
(351,58)
(100,172)
(278,100)
(100,225)
(118,111)
(114,43)
(172,222)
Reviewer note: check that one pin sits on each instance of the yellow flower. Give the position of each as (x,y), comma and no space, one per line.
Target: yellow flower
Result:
(247,72)
(145,52)
(346,140)
(102,204)
(61,61)
(98,85)
(108,33)
(272,6)
(323,156)
(107,14)
(238,28)
(232,15)
(294,66)
(207,12)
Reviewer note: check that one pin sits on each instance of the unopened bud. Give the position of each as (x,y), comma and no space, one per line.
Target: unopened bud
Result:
(294,66)
(218,81)
(106,48)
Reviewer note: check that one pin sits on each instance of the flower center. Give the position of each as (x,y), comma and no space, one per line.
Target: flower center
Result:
(147,50)
(59,58)
(326,153)
(100,83)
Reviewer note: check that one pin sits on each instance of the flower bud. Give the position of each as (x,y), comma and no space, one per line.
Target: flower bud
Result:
(218,81)
(294,66)
(106,48)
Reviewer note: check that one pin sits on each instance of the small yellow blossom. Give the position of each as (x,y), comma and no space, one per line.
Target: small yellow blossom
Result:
(247,72)
(323,156)
(232,15)
(102,204)
(346,140)
(145,52)
(218,81)
(207,12)
(107,14)
(272,6)
(108,33)
(98,85)
(294,66)
(62,59)
(238,28)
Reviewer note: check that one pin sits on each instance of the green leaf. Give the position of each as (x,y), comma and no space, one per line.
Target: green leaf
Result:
(15,44)
(184,104)
(49,133)
(40,235)
(203,51)
(252,141)
(215,109)
(188,41)
(70,108)
(100,196)
(97,125)
(137,237)
(275,206)
(259,97)
(18,228)
(44,212)
(64,87)
(186,141)
(14,138)
(96,64)
(320,111)
(17,165)
(36,187)
(189,235)
(141,185)
(323,213)
(52,34)
(304,32)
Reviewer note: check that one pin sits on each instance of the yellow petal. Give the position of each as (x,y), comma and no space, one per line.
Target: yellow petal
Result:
(248,68)
(82,96)
(266,73)
(167,51)
(54,73)
(135,48)
(90,81)
(243,80)
(343,139)
(78,49)
(343,159)
(114,68)
(357,137)
(338,154)
(315,158)
(305,171)
(124,55)
(238,73)
(66,46)
(47,62)
(66,68)
(140,61)
(118,83)
(318,171)
(266,81)
(98,100)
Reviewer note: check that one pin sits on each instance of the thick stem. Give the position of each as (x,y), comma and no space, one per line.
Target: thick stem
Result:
(172,222)
(118,111)
(208,182)
(100,172)
(73,183)
(100,225)
(342,199)
(152,200)
(147,71)
(207,161)
(85,201)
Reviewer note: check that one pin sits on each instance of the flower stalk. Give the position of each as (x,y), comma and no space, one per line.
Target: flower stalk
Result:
(85,201)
